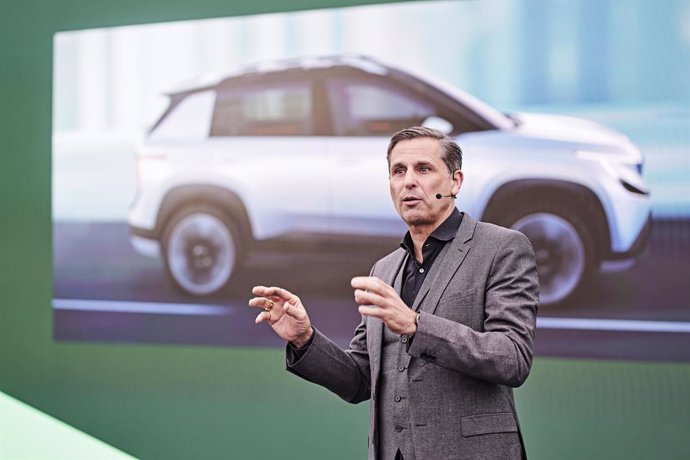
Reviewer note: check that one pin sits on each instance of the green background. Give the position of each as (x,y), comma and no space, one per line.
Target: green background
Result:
(200,402)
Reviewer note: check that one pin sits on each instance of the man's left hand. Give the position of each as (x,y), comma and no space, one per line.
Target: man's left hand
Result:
(378,299)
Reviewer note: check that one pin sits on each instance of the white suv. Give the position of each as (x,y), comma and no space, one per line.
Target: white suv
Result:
(300,147)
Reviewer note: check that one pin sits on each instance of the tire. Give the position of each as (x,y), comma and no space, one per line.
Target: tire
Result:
(201,250)
(562,246)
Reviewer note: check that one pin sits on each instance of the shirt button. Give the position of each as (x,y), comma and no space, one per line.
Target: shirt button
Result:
(421,270)
(398,428)
(397,398)
(403,339)
(401,368)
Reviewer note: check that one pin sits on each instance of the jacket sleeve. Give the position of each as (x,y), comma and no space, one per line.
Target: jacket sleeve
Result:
(344,372)
(502,352)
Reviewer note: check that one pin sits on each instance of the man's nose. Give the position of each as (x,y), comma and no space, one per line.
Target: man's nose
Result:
(410,179)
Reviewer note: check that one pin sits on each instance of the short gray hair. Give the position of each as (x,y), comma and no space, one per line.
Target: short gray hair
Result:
(450,151)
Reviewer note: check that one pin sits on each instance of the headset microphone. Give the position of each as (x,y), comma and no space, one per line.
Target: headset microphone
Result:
(439,196)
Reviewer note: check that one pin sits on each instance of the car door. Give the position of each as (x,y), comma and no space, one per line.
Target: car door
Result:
(366,111)
(266,146)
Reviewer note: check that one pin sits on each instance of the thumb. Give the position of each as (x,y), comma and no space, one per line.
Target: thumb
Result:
(294,311)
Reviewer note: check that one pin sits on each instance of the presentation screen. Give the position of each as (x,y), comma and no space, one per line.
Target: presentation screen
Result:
(193,160)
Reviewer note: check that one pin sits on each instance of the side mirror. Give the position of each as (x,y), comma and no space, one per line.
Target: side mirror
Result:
(438,123)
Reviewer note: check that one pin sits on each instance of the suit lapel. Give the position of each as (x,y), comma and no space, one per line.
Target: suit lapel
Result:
(450,259)
(398,277)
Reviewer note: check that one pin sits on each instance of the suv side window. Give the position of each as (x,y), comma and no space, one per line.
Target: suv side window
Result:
(373,108)
(278,109)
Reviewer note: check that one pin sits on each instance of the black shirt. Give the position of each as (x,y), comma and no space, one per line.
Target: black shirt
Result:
(415,272)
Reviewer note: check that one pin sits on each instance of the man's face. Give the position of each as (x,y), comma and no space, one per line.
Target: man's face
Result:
(416,174)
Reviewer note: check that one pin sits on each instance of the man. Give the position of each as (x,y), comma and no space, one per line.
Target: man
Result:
(448,321)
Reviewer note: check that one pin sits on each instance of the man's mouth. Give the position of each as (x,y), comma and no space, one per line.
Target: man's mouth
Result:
(410,199)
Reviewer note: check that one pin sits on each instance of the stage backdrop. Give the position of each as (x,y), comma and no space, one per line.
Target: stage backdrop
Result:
(96,334)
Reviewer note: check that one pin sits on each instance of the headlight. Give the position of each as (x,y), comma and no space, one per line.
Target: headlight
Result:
(619,166)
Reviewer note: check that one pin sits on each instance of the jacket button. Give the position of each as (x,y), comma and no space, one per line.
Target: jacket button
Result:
(401,368)
(397,398)
(403,339)
(398,428)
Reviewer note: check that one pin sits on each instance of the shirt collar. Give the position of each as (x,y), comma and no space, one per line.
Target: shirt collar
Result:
(443,233)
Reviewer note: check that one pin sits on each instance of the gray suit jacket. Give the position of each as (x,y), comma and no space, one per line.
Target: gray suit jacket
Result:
(478,309)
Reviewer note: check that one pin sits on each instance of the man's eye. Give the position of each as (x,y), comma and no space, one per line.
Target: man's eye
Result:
(398,171)
(425,169)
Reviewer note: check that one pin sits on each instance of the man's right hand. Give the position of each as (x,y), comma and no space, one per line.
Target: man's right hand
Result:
(284,312)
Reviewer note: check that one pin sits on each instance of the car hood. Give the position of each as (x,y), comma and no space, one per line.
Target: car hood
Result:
(587,134)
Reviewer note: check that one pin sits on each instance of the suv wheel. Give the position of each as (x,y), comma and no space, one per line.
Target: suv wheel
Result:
(562,248)
(201,250)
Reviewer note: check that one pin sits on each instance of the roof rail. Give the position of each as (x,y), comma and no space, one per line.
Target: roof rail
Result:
(309,62)
(359,61)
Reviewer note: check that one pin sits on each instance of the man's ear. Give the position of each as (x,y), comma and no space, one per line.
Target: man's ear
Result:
(457,178)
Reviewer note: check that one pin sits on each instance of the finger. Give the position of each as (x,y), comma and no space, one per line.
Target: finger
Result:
(370,298)
(263,316)
(275,292)
(260,291)
(261,302)
(372,311)
(370,283)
